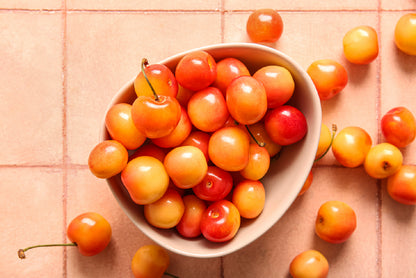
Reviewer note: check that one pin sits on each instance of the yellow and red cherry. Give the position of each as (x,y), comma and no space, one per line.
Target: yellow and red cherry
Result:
(335,222)
(249,197)
(228,148)
(258,163)
(107,159)
(351,146)
(259,135)
(326,139)
(190,224)
(179,133)
(186,166)
(307,184)
(146,179)
(149,149)
(398,126)
(264,25)
(286,125)
(402,185)
(150,261)
(207,109)
(360,45)
(120,126)
(162,79)
(383,160)
(278,82)
(166,212)
(196,70)
(90,232)
(227,70)
(220,222)
(329,77)
(200,140)
(405,34)
(157,115)
(246,100)
(308,264)
(215,186)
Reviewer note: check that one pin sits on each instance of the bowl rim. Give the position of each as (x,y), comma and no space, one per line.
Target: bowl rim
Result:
(276,217)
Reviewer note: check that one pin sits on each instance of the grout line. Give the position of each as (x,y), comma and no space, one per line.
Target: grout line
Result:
(222,13)
(65,160)
(379,200)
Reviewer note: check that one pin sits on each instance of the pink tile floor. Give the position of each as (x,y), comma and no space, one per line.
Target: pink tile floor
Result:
(63,60)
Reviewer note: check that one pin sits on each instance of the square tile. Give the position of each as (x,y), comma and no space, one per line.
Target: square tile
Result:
(397,77)
(104,56)
(301,5)
(31,91)
(143,5)
(398,5)
(30,4)
(270,255)
(32,214)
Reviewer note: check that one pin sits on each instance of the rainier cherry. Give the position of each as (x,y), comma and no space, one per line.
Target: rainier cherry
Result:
(308,264)
(220,221)
(150,261)
(383,160)
(249,197)
(264,25)
(228,148)
(246,100)
(146,179)
(405,34)
(361,45)
(335,222)
(286,125)
(196,70)
(227,70)
(399,126)
(258,163)
(402,185)
(90,232)
(186,166)
(190,224)
(326,139)
(329,77)
(351,145)
(215,186)
(278,82)
(107,159)
(120,126)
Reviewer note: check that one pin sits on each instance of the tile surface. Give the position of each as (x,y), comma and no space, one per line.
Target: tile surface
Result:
(63,61)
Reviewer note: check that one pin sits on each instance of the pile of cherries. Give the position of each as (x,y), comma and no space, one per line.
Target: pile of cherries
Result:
(200,139)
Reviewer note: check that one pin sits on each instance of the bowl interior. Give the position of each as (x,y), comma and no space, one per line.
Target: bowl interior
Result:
(284,179)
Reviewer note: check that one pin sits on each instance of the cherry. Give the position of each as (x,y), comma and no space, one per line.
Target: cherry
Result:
(264,25)
(216,185)
(150,261)
(383,160)
(405,34)
(190,224)
(107,159)
(402,185)
(249,197)
(310,263)
(246,100)
(120,126)
(196,70)
(361,45)
(399,126)
(90,232)
(258,163)
(200,140)
(335,221)
(155,116)
(227,70)
(328,76)
(306,184)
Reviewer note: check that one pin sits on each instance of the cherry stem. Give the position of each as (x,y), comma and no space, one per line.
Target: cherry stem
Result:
(171,275)
(145,63)
(22,255)
(262,144)
(334,130)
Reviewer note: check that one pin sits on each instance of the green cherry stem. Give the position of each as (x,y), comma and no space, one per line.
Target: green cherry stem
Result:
(262,144)
(145,63)
(334,130)
(22,255)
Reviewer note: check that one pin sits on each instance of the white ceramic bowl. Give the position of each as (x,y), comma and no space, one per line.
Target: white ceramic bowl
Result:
(284,179)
